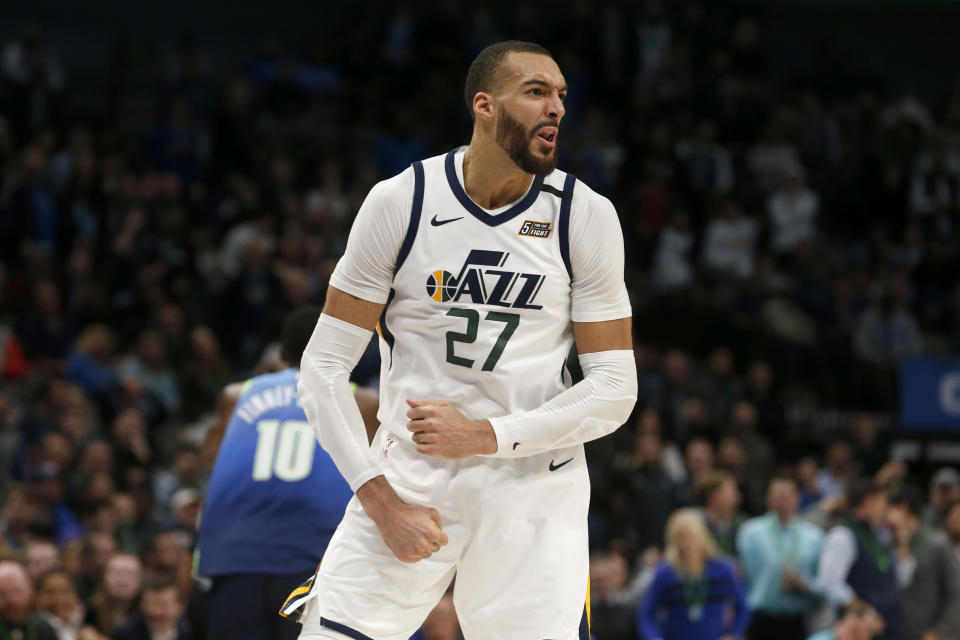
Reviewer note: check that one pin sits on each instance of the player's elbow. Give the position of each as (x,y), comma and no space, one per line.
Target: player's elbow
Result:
(614,378)
(323,368)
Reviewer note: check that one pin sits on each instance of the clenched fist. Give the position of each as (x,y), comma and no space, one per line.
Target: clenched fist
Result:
(441,431)
(410,531)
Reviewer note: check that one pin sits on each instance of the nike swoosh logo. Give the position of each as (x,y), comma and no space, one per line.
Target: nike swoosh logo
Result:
(437,223)
(515,445)
(554,467)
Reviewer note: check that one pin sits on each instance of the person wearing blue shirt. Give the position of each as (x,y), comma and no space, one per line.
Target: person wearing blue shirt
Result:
(779,553)
(693,590)
(275,499)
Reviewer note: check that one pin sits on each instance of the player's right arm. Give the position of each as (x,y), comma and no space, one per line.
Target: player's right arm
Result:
(225,405)
(358,291)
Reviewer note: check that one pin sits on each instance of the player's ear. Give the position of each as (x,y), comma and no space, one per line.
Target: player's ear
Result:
(483,107)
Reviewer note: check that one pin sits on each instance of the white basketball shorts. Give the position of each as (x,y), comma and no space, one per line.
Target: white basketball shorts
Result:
(517,533)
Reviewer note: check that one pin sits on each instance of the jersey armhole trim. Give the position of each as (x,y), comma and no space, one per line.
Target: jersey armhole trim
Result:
(383,329)
(564,230)
(415,210)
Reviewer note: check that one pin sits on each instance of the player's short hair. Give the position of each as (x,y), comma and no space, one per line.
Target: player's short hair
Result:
(297,329)
(484,72)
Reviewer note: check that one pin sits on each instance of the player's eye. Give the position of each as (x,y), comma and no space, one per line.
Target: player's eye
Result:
(536,91)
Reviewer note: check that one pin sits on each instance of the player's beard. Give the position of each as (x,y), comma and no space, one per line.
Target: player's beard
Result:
(515,140)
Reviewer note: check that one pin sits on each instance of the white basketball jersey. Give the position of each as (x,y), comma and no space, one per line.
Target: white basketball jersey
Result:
(479,312)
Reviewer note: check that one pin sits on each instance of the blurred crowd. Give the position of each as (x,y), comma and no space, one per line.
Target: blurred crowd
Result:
(791,237)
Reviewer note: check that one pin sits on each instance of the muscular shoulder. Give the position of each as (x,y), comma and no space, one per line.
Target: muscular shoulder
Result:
(593,221)
(589,207)
(393,194)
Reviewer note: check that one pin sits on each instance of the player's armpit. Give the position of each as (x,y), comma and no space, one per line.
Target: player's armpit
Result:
(609,335)
(225,405)
(349,308)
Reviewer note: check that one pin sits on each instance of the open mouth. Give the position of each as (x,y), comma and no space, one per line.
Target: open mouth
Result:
(548,134)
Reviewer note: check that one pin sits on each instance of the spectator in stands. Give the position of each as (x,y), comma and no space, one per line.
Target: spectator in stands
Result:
(930,601)
(161,613)
(612,609)
(16,604)
(186,474)
(857,568)
(58,604)
(149,365)
(870,449)
(759,389)
(793,210)
(698,459)
(779,553)
(693,589)
(169,554)
(90,363)
(673,395)
(706,165)
(723,386)
(95,552)
(944,491)
(650,495)
(117,596)
(719,497)
(759,454)
(832,479)
(47,333)
(772,159)
(40,557)
(935,187)
(672,260)
(810,492)
(132,446)
(888,332)
(729,243)
(648,422)
(910,536)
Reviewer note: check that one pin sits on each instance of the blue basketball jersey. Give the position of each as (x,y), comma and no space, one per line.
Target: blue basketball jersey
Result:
(275,497)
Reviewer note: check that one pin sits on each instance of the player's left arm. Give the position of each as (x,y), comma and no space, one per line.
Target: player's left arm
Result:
(590,409)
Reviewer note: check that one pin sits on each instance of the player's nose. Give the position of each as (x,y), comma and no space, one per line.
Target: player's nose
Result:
(555,108)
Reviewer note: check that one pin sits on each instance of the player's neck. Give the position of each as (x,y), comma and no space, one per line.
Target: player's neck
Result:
(490,177)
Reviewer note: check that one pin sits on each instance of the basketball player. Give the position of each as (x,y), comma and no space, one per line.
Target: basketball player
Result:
(479,268)
(273,503)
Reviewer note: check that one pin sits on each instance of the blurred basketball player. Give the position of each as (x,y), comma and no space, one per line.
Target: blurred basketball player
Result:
(275,498)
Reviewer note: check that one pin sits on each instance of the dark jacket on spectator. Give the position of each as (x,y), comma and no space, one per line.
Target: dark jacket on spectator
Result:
(932,600)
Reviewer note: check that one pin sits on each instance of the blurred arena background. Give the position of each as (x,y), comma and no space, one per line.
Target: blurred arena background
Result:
(174,179)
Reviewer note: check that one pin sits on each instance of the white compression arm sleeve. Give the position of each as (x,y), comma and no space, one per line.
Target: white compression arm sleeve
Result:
(594,407)
(330,356)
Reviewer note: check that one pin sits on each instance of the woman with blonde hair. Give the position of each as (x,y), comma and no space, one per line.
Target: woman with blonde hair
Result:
(693,588)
